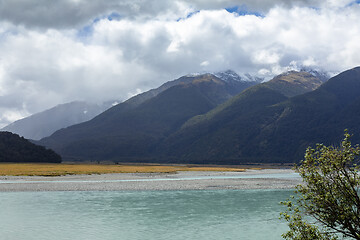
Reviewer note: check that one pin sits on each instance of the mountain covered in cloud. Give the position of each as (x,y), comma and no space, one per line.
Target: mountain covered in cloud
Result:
(230,75)
(161,128)
(320,74)
(45,123)
(98,50)
(132,129)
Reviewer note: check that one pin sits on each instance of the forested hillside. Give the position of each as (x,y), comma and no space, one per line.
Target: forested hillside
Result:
(17,149)
(262,125)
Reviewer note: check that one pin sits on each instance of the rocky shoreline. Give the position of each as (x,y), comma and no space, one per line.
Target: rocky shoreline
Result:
(191,180)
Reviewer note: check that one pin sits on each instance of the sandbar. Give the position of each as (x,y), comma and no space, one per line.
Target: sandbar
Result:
(182,180)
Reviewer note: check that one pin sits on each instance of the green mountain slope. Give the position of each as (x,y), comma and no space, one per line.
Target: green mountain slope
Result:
(294,83)
(219,136)
(288,84)
(131,131)
(319,116)
(17,149)
(276,129)
(234,85)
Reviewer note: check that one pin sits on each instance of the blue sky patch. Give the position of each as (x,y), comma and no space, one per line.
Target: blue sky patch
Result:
(85,32)
(353,3)
(88,30)
(242,11)
(188,16)
(113,16)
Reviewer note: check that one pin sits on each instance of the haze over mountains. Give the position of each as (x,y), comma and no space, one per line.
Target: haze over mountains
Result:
(188,123)
(45,123)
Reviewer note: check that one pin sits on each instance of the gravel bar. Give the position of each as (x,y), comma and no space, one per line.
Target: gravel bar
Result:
(188,180)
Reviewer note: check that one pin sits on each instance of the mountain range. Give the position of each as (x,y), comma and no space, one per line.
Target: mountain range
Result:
(45,123)
(195,119)
(132,129)
(267,124)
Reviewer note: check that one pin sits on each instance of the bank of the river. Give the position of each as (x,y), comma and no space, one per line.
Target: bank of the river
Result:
(182,180)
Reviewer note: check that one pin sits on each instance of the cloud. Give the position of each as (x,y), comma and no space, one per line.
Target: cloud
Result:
(73,13)
(46,61)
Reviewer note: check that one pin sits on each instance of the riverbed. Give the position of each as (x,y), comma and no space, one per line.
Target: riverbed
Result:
(183,180)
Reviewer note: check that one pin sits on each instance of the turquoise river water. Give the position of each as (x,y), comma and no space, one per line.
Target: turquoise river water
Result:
(149,215)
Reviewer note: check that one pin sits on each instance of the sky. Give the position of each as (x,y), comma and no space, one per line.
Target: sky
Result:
(53,52)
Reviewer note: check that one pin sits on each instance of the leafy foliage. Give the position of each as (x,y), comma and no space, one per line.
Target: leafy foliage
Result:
(329,195)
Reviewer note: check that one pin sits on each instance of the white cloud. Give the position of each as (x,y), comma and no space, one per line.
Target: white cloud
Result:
(132,94)
(204,63)
(11,115)
(41,66)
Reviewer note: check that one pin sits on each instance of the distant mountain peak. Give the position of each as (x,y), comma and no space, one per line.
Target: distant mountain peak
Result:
(195,74)
(322,75)
(230,75)
(45,123)
(291,76)
(293,83)
(206,78)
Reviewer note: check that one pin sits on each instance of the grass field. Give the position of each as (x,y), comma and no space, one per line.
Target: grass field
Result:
(39,169)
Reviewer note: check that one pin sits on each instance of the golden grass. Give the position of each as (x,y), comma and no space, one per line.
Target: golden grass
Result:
(39,169)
